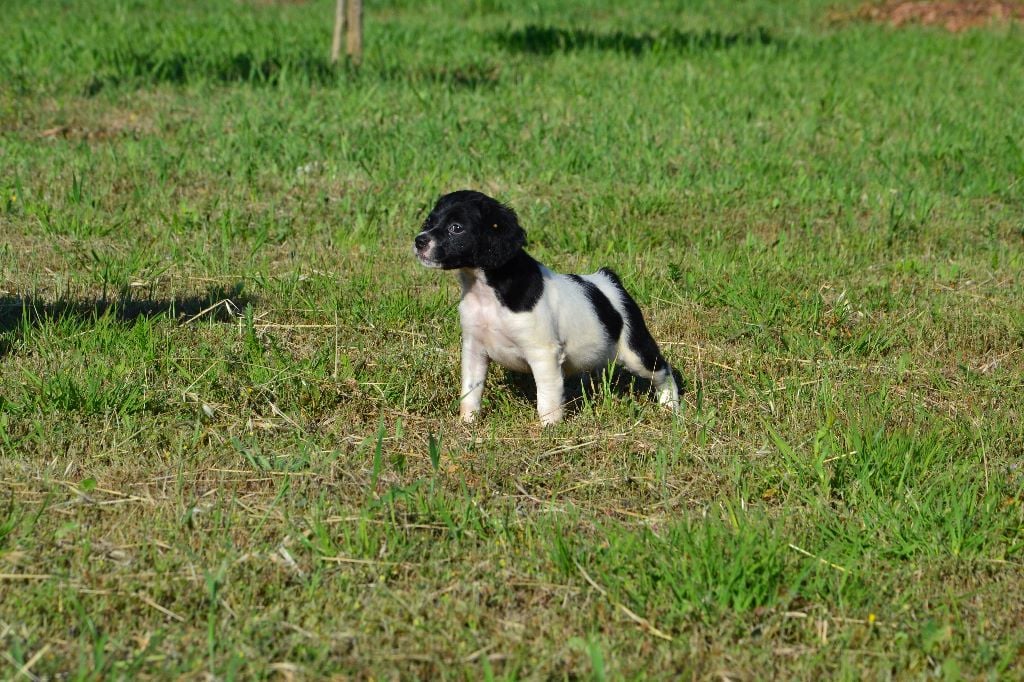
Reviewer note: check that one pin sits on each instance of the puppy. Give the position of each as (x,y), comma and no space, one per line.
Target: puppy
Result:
(517,313)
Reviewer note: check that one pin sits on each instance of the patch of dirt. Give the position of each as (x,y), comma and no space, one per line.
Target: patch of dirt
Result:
(952,15)
(111,126)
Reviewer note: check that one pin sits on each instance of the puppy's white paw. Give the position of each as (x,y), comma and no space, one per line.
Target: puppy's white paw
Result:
(551,417)
(669,397)
(468,415)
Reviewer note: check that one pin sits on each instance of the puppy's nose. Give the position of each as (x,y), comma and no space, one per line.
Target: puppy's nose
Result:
(422,241)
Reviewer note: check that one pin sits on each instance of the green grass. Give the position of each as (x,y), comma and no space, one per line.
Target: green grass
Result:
(229,442)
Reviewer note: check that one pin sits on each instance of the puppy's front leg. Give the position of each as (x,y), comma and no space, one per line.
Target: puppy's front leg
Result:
(474,372)
(547,374)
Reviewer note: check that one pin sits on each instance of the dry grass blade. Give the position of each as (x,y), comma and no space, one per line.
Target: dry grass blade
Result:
(824,561)
(149,601)
(647,625)
(228,304)
(24,670)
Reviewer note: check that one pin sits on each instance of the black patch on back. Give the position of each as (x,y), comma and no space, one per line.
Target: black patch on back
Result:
(517,283)
(638,338)
(606,312)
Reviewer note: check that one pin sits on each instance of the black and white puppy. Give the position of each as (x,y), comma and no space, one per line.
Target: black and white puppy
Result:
(522,316)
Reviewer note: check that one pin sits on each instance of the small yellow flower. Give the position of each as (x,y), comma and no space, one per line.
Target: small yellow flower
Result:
(871,619)
(14,197)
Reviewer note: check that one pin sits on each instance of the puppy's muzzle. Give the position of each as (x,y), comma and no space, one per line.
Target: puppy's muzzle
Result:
(424,248)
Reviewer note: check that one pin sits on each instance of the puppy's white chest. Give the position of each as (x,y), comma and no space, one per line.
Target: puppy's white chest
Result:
(493,326)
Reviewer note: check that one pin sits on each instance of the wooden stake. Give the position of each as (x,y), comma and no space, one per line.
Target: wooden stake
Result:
(339,25)
(354,44)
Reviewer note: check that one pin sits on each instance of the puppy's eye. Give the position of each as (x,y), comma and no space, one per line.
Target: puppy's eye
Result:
(455,228)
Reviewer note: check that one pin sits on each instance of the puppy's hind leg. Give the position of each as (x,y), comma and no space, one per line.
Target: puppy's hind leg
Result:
(639,353)
(668,392)
(660,376)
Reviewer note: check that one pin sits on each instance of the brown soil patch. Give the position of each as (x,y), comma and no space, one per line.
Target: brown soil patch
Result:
(110,126)
(952,15)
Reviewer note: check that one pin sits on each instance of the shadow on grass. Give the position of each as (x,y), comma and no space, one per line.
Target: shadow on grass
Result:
(546,40)
(472,76)
(18,313)
(129,66)
(275,66)
(133,68)
(583,389)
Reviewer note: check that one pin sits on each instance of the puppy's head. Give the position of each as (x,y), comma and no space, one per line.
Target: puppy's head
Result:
(468,229)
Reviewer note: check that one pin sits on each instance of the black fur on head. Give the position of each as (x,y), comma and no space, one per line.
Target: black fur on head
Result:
(468,229)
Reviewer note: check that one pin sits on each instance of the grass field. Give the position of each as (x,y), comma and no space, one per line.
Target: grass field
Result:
(229,443)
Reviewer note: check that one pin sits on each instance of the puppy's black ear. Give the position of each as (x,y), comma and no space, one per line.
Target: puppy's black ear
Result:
(502,235)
